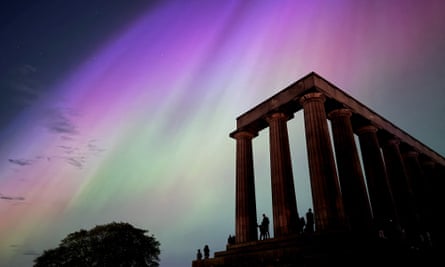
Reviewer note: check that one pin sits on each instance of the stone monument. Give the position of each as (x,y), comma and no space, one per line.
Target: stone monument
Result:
(386,211)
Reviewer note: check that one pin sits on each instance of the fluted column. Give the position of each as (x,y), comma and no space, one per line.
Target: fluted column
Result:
(284,205)
(353,189)
(438,183)
(245,217)
(326,196)
(416,183)
(395,168)
(428,167)
(380,193)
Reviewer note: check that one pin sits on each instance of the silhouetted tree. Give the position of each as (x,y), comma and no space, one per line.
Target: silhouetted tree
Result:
(114,244)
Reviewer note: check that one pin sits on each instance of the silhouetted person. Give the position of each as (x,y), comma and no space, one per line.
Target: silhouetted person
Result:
(264,228)
(309,221)
(302,224)
(231,240)
(262,231)
(206,252)
(199,255)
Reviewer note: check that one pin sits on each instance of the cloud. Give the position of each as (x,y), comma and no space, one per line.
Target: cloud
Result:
(31,252)
(59,121)
(4,197)
(26,69)
(70,150)
(20,162)
(26,252)
(77,156)
(26,88)
(61,124)
(93,148)
(67,149)
(21,85)
(75,162)
(66,138)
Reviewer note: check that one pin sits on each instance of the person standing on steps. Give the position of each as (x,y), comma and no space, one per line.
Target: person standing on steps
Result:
(309,221)
(199,255)
(206,252)
(264,228)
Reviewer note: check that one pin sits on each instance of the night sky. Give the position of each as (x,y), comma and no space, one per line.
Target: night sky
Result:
(121,110)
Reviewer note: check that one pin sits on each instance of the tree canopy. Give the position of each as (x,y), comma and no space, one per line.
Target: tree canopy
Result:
(113,244)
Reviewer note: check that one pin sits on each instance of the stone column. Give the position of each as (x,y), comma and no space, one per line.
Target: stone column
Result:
(326,196)
(380,193)
(353,189)
(245,217)
(284,205)
(438,184)
(395,168)
(415,181)
(428,167)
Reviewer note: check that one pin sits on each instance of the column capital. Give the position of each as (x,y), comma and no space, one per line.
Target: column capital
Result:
(240,134)
(279,115)
(310,97)
(428,163)
(392,142)
(341,112)
(412,154)
(367,129)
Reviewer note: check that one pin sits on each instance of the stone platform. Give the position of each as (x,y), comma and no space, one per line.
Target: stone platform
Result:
(335,249)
